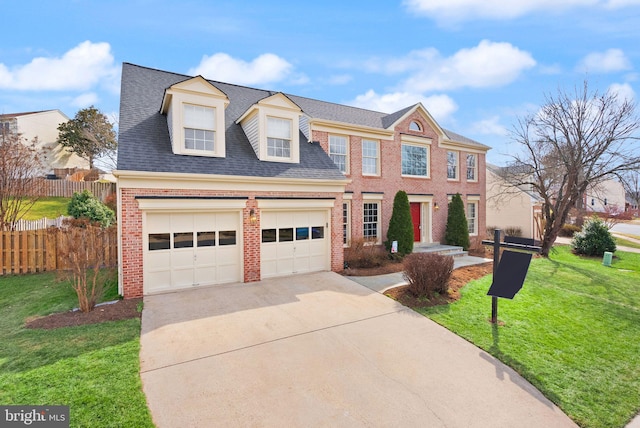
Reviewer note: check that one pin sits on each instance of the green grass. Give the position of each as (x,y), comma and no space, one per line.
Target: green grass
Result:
(50,207)
(573,331)
(94,369)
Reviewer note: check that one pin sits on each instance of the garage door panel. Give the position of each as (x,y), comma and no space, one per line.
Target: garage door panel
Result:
(157,223)
(181,277)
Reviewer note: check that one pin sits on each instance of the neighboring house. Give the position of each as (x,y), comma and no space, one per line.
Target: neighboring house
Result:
(44,126)
(220,183)
(608,196)
(511,206)
(632,205)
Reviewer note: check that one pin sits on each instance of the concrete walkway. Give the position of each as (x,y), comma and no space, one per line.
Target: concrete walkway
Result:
(561,240)
(382,283)
(320,350)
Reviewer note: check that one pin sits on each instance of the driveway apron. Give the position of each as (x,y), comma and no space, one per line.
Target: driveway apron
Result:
(320,350)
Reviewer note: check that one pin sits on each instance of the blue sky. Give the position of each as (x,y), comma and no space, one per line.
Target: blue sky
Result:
(476,65)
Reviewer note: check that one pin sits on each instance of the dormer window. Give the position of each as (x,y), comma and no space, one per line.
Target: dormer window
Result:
(279,137)
(195,118)
(199,127)
(272,126)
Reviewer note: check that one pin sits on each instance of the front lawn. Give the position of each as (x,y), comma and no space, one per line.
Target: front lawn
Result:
(573,331)
(94,369)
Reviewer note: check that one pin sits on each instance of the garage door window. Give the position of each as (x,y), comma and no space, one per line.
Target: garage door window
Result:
(285,235)
(183,240)
(159,241)
(317,232)
(227,237)
(302,233)
(206,239)
(268,235)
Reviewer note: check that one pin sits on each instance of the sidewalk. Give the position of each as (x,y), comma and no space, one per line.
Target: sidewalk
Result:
(561,240)
(382,283)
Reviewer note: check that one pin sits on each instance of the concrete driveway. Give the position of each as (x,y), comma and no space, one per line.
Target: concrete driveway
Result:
(320,350)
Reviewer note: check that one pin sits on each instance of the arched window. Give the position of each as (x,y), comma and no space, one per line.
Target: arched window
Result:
(415,126)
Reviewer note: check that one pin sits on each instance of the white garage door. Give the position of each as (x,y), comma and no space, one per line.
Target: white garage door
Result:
(185,250)
(294,242)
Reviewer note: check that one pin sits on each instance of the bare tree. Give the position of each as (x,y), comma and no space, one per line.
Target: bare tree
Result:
(20,187)
(631,182)
(83,246)
(574,141)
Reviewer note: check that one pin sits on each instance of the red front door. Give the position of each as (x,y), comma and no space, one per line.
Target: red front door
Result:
(415,218)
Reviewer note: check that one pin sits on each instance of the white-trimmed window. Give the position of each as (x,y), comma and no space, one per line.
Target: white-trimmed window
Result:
(452,165)
(199,128)
(472,167)
(371,221)
(472,217)
(370,157)
(346,223)
(278,137)
(415,160)
(338,152)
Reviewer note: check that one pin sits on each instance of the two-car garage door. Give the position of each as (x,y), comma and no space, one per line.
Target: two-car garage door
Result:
(191,249)
(183,248)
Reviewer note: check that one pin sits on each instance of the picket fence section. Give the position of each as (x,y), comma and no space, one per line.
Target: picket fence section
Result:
(31,251)
(42,223)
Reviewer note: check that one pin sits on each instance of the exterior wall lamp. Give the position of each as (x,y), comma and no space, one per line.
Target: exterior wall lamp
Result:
(436,206)
(253,219)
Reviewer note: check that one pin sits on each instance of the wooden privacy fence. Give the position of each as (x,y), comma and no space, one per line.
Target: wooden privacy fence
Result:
(66,188)
(33,251)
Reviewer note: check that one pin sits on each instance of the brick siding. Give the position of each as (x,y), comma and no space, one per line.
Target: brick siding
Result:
(391,181)
(131,235)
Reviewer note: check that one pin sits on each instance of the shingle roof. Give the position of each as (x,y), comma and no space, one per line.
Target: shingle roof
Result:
(144,143)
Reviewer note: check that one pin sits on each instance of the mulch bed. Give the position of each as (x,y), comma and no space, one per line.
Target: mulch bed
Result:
(459,278)
(120,310)
(390,267)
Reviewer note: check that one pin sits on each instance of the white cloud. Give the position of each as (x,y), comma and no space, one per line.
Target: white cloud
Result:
(490,126)
(623,91)
(85,100)
(489,64)
(440,106)
(609,61)
(81,68)
(266,68)
(448,11)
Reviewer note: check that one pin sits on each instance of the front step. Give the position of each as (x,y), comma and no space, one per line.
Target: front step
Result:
(445,250)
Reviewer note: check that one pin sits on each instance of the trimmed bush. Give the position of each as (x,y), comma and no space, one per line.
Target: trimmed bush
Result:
(594,239)
(513,231)
(85,205)
(427,274)
(457,232)
(400,225)
(568,230)
(363,255)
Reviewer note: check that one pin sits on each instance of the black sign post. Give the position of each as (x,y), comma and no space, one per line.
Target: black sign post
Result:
(510,271)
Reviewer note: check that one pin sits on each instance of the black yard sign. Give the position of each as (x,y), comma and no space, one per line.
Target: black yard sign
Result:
(510,270)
